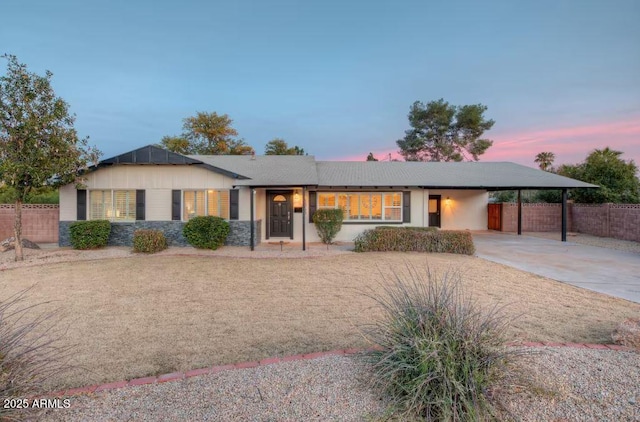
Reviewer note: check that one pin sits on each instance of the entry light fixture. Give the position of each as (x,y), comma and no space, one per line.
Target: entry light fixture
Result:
(297,199)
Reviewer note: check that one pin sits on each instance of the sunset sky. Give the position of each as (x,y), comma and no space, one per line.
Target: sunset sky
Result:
(338,77)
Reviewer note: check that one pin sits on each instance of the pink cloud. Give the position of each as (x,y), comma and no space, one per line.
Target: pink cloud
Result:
(569,144)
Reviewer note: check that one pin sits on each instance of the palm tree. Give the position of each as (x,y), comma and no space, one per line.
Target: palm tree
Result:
(545,160)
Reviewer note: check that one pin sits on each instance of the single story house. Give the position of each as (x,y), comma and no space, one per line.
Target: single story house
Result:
(273,198)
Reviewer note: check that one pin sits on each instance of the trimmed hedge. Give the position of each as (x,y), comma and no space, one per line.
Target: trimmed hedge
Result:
(415,239)
(149,241)
(328,223)
(91,234)
(206,232)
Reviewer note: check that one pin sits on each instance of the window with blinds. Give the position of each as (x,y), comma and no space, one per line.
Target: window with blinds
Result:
(210,202)
(363,206)
(112,205)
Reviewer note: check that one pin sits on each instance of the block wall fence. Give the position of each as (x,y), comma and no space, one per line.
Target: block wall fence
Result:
(620,221)
(39,222)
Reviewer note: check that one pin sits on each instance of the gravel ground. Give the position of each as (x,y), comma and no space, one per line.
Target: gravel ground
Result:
(324,389)
(548,384)
(569,384)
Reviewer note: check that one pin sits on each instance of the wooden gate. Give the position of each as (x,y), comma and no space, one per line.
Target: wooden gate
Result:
(495,217)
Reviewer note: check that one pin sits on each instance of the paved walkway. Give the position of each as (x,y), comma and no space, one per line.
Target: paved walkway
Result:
(609,271)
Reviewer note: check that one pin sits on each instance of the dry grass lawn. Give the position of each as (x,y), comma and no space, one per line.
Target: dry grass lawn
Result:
(155,314)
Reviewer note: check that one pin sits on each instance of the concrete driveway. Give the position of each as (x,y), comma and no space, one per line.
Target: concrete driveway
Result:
(609,271)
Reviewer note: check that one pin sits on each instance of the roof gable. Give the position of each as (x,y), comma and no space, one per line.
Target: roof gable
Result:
(153,155)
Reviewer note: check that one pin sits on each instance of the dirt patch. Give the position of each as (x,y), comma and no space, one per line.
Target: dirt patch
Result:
(159,313)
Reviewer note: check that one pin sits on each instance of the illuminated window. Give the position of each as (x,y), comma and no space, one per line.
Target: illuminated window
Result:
(112,205)
(364,206)
(209,202)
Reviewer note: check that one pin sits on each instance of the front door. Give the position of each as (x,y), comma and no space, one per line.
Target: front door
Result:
(434,210)
(280,213)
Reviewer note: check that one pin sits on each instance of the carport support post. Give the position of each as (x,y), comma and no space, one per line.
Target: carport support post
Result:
(304,221)
(564,215)
(519,212)
(252,225)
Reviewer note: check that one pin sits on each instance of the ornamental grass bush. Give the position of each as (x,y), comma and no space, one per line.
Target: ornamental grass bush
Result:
(206,232)
(415,239)
(328,223)
(91,234)
(436,351)
(31,353)
(149,241)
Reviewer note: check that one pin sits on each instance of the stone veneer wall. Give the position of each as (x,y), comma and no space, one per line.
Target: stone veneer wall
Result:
(122,233)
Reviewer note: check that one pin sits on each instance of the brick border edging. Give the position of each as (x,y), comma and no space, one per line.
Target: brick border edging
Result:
(176,376)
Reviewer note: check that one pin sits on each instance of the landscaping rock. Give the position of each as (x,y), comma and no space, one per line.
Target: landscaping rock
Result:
(628,333)
(10,243)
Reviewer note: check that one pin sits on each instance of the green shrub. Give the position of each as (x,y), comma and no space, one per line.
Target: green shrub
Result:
(89,234)
(328,223)
(31,353)
(436,351)
(149,241)
(206,232)
(414,239)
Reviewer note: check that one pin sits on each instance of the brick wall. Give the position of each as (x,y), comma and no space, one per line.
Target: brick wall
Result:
(535,217)
(39,222)
(620,221)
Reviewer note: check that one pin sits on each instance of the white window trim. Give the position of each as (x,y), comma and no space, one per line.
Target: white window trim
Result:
(383,207)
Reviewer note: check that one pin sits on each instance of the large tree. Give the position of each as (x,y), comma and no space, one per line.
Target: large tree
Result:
(371,157)
(178,144)
(617,178)
(443,132)
(207,134)
(545,160)
(38,143)
(279,146)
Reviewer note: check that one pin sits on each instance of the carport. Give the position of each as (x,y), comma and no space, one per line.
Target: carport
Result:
(538,180)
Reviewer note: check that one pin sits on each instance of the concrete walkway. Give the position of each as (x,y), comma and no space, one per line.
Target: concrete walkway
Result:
(609,271)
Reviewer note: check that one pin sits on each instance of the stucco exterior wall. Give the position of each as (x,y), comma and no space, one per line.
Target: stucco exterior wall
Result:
(68,203)
(466,209)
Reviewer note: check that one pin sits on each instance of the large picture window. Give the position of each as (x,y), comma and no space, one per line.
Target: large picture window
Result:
(364,206)
(113,205)
(205,202)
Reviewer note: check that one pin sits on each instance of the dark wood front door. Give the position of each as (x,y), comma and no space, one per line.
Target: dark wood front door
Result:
(434,210)
(280,214)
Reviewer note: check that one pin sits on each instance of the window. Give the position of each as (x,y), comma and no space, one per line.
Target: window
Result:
(209,202)
(364,206)
(113,205)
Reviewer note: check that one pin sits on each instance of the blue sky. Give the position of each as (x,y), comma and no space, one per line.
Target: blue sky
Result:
(338,77)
